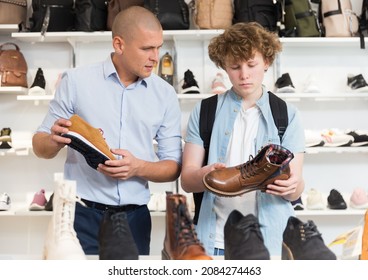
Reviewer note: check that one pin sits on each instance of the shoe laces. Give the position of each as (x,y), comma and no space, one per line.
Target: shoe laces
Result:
(118,225)
(249,169)
(247,227)
(308,230)
(184,230)
(65,223)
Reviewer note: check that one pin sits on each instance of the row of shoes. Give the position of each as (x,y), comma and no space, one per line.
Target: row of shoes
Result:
(284,84)
(315,200)
(243,238)
(336,138)
(189,84)
(39,202)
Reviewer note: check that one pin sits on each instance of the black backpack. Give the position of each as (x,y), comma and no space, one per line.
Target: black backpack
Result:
(268,13)
(363,23)
(207,118)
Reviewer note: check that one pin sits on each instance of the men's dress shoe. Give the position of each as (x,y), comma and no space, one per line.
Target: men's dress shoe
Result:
(270,164)
(115,238)
(181,241)
(243,238)
(302,241)
(88,141)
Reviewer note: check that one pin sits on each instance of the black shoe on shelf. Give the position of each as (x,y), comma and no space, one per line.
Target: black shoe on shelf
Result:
(303,241)
(243,238)
(360,138)
(284,84)
(39,84)
(190,85)
(336,201)
(357,83)
(298,204)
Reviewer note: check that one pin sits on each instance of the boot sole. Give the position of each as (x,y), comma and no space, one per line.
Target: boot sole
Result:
(92,155)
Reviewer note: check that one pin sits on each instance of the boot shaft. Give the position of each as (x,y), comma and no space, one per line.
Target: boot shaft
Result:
(181,241)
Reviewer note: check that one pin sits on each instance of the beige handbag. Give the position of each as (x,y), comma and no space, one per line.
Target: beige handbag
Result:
(13,11)
(213,14)
(338,18)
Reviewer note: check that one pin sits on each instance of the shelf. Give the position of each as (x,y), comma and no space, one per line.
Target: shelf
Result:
(329,212)
(324,96)
(6,29)
(13,90)
(192,34)
(336,150)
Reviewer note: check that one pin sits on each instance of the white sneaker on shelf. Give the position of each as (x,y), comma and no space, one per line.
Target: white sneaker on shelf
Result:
(5,202)
(313,138)
(336,138)
(61,239)
(315,200)
(311,85)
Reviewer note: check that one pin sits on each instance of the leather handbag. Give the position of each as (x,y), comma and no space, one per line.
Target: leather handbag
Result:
(13,11)
(13,66)
(213,14)
(115,6)
(172,14)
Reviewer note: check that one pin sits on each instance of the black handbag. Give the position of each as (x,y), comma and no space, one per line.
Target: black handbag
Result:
(173,14)
(90,15)
(52,15)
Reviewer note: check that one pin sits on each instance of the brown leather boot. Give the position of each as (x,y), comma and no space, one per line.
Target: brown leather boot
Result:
(181,241)
(270,164)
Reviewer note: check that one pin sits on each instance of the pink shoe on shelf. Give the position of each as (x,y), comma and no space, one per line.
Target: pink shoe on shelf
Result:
(39,201)
(359,199)
(218,85)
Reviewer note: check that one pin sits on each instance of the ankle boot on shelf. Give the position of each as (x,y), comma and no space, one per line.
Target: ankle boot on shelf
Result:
(270,164)
(303,241)
(181,241)
(61,239)
(243,238)
(115,238)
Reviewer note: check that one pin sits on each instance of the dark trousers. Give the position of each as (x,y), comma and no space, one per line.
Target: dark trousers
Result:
(87,224)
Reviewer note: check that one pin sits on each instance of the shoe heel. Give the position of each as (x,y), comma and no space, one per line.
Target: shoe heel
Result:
(164,255)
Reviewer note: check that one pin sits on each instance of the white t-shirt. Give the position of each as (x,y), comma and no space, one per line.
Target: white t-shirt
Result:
(241,146)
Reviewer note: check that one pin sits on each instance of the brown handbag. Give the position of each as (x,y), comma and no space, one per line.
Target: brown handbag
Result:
(13,66)
(13,11)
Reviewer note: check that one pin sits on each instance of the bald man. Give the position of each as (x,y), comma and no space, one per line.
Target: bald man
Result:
(132,106)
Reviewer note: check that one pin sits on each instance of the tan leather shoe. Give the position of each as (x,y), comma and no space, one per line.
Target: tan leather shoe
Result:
(181,241)
(88,141)
(270,164)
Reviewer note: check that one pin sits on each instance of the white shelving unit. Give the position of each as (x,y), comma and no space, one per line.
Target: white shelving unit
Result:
(325,168)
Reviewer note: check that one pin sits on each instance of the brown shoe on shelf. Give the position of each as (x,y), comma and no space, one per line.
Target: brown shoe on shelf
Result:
(181,241)
(88,141)
(270,164)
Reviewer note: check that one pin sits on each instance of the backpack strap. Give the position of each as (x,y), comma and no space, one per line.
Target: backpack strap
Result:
(279,113)
(206,120)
